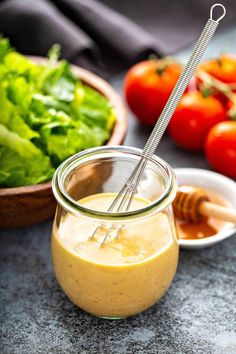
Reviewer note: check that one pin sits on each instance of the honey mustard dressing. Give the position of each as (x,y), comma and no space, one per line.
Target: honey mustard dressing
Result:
(126,275)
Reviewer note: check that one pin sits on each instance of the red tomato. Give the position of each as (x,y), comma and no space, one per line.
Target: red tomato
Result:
(220,148)
(193,118)
(147,87)
(222,68)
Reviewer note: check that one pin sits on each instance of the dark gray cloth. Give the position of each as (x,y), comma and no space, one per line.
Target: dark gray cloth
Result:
(105,37)
(174,23)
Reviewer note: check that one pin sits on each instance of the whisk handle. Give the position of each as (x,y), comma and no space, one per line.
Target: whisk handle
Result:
(182,83)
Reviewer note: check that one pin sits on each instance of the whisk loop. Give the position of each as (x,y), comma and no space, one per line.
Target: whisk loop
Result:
(223,14)
(124,198)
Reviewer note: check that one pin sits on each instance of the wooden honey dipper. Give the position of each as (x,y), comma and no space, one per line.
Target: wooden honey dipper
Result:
(192,205)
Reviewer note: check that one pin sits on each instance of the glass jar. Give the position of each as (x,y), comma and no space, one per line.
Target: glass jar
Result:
(137,262)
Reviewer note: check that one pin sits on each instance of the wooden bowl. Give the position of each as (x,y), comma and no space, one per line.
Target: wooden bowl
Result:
(24,206)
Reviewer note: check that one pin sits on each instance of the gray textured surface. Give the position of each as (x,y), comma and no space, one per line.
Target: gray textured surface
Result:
(197,315)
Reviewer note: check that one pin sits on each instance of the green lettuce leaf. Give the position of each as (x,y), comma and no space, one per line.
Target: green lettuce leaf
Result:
(10,117)
(16,171)
(60,83)
(21,162)
(46,115)
(23,147)
(5,48)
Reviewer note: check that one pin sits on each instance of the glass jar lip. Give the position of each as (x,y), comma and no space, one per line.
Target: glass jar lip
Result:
(72,206)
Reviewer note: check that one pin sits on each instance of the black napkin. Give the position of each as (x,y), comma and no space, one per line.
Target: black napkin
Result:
(105,37)
(175,23)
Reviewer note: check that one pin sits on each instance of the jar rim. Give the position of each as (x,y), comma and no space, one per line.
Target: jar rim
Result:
(72,206)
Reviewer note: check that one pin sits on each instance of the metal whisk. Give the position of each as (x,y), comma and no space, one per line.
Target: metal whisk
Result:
(124,198)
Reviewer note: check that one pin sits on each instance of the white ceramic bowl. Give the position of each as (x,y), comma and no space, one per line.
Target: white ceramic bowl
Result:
(217,183)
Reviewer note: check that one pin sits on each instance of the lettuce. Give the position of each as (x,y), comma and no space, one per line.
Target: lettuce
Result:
(22,163)
(19,171)
(10,117)
(46,115)
(60,83)
(5,48)
(23,147)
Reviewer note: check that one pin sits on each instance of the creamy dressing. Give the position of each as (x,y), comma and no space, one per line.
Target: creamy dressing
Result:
(127,274)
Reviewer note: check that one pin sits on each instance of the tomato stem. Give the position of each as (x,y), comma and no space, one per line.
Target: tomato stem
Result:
(161,66)
(206,90)
(210,82)
(153,56)
(220,86)
(219,62)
